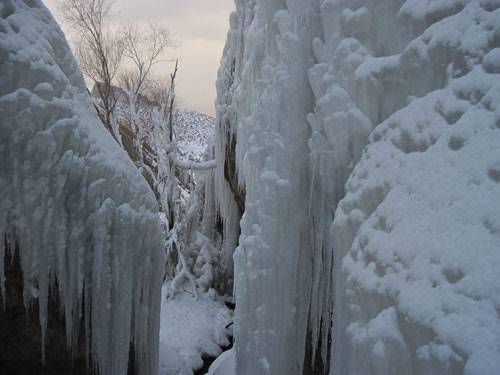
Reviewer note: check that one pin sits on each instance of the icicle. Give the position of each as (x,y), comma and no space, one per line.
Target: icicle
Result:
(82,214)
(273,100)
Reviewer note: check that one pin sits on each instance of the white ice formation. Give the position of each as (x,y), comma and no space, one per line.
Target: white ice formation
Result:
(367,140)
(84,218)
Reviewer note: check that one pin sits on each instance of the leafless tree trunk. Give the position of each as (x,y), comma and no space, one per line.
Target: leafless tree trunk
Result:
(172,101)
(143,47)
(98,49)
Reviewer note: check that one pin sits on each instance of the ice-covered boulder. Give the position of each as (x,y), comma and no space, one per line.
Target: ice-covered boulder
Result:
(81,214)
(417,235)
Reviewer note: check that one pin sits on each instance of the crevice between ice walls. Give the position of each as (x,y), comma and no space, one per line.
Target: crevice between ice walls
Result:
(84,219)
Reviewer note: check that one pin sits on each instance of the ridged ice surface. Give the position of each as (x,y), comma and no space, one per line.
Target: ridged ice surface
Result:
(83,217)
(264,99)
(409,270)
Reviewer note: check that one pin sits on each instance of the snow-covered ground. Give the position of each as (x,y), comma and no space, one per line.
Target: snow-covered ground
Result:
(189,329)
(194,131)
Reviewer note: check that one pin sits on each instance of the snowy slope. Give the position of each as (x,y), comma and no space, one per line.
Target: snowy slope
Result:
(411,260)
(194,131)
(81,212)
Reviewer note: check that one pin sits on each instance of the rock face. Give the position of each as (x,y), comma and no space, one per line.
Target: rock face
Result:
(81,216)
(367,136)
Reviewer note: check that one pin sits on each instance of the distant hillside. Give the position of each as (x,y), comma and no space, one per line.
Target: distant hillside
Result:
(194,131)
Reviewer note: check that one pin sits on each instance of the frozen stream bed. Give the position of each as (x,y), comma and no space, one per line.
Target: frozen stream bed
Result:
(190,329)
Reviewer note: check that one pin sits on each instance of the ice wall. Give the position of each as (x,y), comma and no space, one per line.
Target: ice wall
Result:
(84,218)
(264,99)
(417,234)
(409,262)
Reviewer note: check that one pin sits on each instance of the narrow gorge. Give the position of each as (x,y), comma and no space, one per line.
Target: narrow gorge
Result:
(348,207)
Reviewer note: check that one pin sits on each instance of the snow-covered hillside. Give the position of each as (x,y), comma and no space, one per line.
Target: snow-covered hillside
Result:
(367,136)
(194,132)
(84,219)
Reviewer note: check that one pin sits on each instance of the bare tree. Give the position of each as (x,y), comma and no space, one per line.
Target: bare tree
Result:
(172,98)
(98,49)
(143,47)
(127,55)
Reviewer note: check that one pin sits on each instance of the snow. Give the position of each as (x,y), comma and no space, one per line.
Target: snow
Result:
(191,328)
(382,118)
(85,220)
(414,229)
(194,132)
(224,364)
(367,136)
(423,242)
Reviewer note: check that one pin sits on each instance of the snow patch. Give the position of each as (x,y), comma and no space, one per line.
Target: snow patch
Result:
(191,328)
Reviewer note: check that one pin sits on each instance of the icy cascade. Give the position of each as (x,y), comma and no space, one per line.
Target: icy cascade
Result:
(417,236)
(84,218)
(298,135)
(264,97)
(301,86)
(224,200)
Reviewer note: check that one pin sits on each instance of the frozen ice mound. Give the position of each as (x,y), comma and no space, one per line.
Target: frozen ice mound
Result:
(416,237)
(84,218)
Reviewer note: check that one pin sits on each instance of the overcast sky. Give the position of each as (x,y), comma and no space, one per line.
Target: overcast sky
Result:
(200,26)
